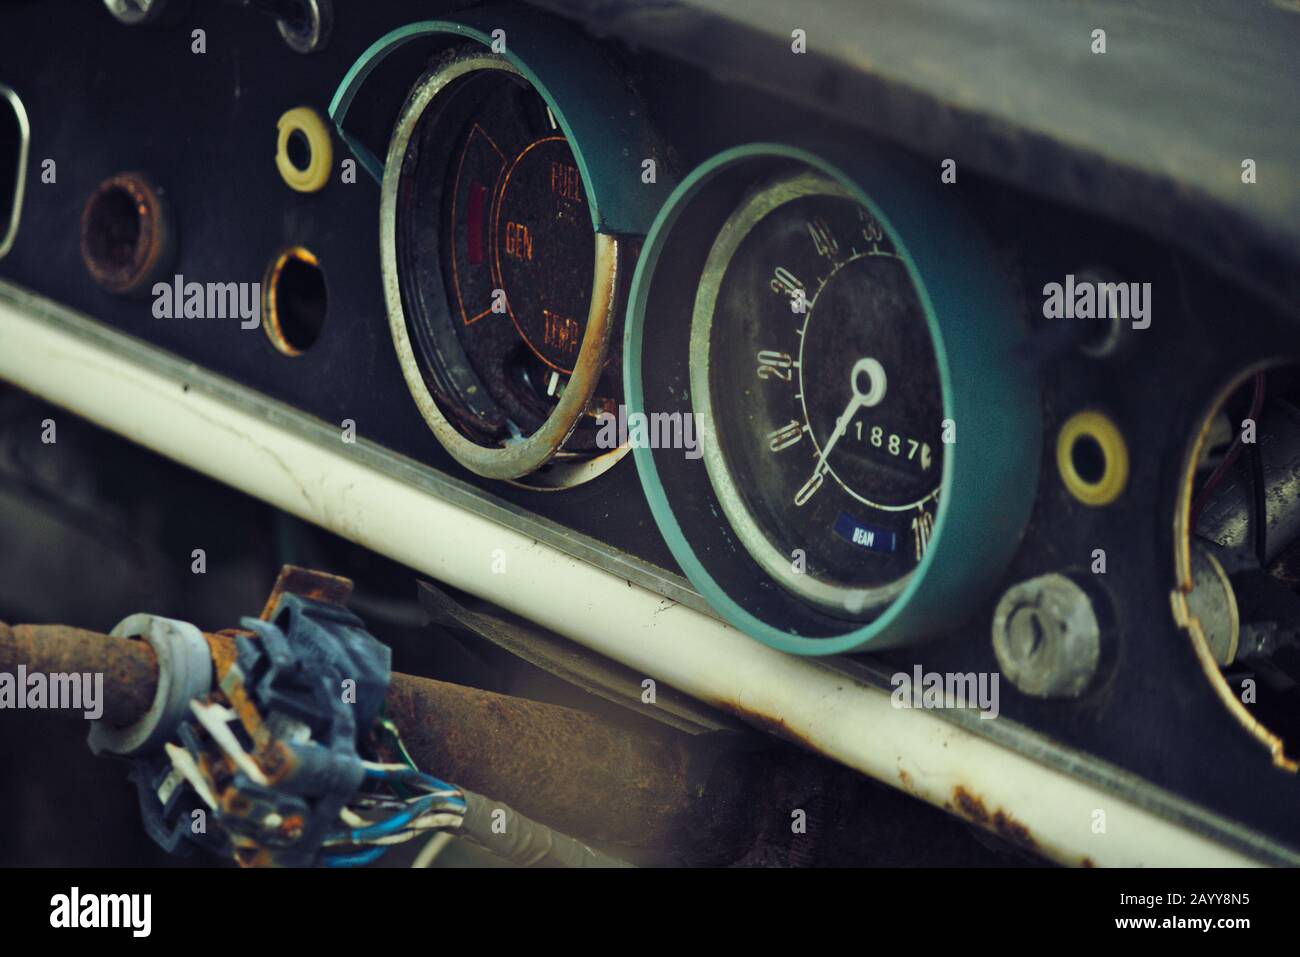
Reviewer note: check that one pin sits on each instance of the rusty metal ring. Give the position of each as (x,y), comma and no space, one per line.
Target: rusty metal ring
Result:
(126,249)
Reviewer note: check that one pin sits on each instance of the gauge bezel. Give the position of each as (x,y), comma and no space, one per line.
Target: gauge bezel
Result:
(988,481)
(520,457)
(607,130)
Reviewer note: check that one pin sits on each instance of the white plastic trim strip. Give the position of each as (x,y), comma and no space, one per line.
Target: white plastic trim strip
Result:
(849,721)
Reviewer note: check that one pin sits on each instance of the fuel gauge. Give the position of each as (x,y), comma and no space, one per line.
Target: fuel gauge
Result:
(518,254)
(512,207)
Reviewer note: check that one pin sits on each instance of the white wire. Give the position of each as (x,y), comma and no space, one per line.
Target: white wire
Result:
(428,821)
(377,766)
(377,800)
(435,846)
(352,818)
(399,838)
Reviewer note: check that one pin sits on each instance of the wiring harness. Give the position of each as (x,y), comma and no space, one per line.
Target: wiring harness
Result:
(404,804)
(278,765)
(286,760)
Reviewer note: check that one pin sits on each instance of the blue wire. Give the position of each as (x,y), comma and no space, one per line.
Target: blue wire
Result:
(438,783)
(398,821)
(394,823)
(410,774)
(360,859)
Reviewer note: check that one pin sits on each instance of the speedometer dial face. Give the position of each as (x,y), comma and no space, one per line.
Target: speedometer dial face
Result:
(817,388)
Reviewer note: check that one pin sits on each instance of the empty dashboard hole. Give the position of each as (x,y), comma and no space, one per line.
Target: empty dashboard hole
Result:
(295,301)
(1089,459)
(112,235)
(296,17)
(298,150)
(127,236)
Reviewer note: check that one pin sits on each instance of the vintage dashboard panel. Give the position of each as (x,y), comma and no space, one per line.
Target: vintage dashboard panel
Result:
(774,352)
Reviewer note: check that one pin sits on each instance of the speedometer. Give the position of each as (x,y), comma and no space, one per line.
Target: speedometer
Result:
(814,379)
(868,444)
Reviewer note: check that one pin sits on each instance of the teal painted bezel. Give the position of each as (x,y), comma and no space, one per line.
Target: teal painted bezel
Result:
(601,119)
(990,473)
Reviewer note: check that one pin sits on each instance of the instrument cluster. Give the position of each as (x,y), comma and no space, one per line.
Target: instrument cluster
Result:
(861,374)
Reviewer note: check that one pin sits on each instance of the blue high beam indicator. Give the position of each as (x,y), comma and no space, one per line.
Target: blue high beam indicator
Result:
(865,536)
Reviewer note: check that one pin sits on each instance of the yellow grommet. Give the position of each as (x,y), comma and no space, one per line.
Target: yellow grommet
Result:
(304,120)
(1094,426)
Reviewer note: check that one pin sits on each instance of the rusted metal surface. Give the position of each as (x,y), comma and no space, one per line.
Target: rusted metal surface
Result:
(128,236)
(971,807)
(570,769)
(225,655)
(713,798)
(719,798)
(129,667)
(574,771)
(307,583)
(772,724)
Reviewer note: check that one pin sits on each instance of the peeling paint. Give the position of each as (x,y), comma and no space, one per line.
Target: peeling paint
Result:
(972,808)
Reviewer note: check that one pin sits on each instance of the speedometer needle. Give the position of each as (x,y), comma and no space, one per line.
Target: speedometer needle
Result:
(862,398)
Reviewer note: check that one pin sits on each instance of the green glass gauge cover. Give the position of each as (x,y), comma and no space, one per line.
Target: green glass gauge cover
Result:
(603,123)
(507,397)
(991,448)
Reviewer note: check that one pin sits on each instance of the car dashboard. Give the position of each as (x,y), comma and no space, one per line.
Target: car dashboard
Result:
(806,365)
